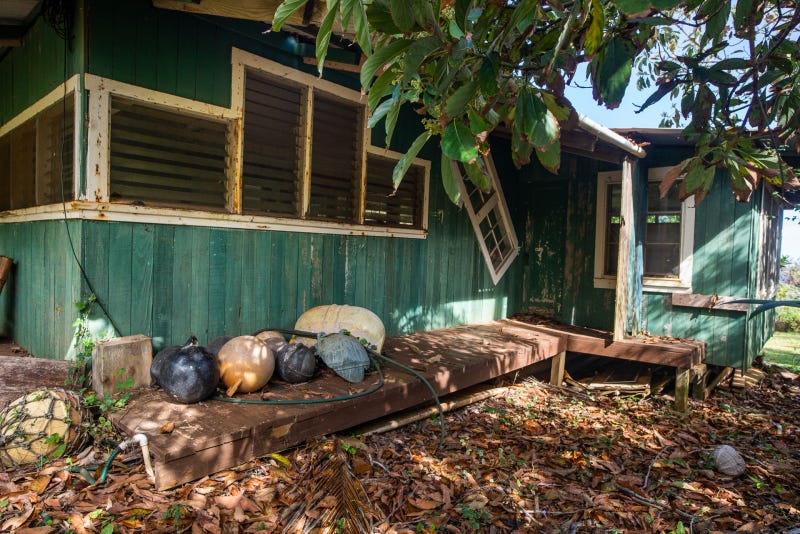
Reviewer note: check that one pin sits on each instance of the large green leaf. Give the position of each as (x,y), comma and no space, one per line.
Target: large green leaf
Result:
(550,157)
(611,71)
(392,115)
(716,23)
(284,11)
(380,112)
(408,158)
(741,14)
(458,101)
(545,130)
(487,75)
(403,15)
(381,87)
(417,52)
(324,34)
(699,177)
(361,24)
(478,176)
(379,15)
(381,57)
(458,143)
(594,33)
(449,180)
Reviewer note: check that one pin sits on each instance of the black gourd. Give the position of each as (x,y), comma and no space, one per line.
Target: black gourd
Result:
(295,363)
(191,374)
(217,343)
(158,362)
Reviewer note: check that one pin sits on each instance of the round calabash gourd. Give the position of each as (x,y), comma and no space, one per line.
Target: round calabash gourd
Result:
(273,339)
(28,424)
(295,363)
(189,375)
(361,323)
(246,364)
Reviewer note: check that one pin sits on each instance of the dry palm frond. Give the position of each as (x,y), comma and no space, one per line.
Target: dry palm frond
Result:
(335,499)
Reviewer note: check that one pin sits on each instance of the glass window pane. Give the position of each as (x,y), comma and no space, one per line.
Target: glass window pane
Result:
(662,233)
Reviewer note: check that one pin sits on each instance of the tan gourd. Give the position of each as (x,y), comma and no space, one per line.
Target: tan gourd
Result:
(246,364)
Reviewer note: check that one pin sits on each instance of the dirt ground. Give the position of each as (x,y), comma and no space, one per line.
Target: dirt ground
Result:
(533,459)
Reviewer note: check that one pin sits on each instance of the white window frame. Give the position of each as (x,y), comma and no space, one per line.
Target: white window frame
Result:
(95,203)
(680,284)
(497,204)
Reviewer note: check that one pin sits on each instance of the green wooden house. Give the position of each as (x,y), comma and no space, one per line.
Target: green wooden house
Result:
(213,184)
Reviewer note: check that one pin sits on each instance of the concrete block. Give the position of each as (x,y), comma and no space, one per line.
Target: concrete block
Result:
(116,360)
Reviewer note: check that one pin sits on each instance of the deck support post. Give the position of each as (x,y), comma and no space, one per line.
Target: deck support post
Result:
(682,381)
(624,264)
(557,368)
(699,379)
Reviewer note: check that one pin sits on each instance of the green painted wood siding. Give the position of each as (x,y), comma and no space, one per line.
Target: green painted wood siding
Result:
(37,306)
(181,54)
(559,280)
(30,71)
(169,282)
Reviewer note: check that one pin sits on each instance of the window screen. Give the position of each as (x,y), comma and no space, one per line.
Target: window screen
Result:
(403,208)
(166,158)
(31,159)
(335,159)
(662,242)
(271,172)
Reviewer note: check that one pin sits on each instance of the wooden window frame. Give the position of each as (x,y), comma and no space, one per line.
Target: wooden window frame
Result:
(496,204)
(92,202)
(243,61)
(680,284)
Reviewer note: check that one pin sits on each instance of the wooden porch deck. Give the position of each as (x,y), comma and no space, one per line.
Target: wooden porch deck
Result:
(215,435)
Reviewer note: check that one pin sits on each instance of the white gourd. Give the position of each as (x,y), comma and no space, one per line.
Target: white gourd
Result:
(361,323)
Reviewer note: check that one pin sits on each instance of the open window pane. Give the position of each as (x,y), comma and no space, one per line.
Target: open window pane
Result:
(166,158)
(614,196)
(271,172)
(335,159)
(490,218)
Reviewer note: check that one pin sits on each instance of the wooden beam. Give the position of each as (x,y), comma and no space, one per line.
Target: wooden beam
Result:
(682,354)
(335,65)
(699,378)
(12,42)
(624,257)
(710,302)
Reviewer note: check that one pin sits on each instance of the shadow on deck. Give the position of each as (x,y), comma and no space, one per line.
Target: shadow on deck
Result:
(216,435)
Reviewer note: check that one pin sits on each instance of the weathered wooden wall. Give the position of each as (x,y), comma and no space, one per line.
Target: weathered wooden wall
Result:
(559,278)
(172,281)
(37,306)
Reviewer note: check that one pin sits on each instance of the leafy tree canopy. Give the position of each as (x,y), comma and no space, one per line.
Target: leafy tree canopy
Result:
(731,70)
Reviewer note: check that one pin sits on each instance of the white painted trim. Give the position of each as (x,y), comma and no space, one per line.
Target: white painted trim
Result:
(98,147)
(51,98)
(498,202)
(83,210)
(159,99)
(246,59)
(682,284)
